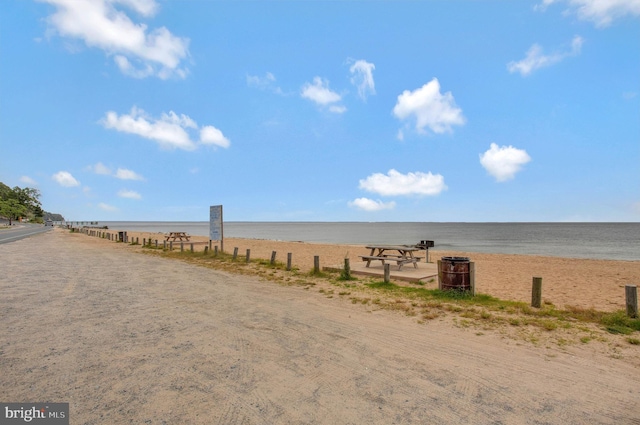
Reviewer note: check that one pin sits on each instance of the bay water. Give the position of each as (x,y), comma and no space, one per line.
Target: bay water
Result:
(611,241)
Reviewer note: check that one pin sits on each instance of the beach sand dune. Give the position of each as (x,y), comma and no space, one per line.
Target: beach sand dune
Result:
(128,338)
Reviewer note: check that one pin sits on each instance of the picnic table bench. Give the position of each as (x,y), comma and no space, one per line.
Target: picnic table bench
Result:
(402,254)
(173,236)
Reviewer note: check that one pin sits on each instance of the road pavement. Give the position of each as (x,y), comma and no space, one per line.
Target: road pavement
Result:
(22,231)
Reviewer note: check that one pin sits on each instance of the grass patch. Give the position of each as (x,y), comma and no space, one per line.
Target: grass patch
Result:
(619,323)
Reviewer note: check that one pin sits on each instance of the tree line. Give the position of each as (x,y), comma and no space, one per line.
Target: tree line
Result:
(20,203)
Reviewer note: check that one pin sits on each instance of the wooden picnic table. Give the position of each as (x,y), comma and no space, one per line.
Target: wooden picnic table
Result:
(401,254)
(173,236)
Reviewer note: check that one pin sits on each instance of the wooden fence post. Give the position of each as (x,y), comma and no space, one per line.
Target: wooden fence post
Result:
(346,273)
(440,274)
(235,253)
(170,245)
(289,261)
(316,264)
(181,246)
(631,296)
(472,277)
(387,273)
(248,254)
(273,258)
(536,292)
(215,251)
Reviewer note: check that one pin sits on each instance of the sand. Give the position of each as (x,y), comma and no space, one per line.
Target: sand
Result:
(586,283)
(131,338)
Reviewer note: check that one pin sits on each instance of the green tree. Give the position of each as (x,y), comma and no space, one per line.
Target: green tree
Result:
(19,202)
(12,209)
(28,197)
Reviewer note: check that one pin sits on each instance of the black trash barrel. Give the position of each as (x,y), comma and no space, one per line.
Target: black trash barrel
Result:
(455,273)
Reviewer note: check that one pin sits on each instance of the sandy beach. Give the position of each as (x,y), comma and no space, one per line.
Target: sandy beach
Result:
(583,283)
(132,338)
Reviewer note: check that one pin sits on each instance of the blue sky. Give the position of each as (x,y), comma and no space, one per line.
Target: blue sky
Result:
(323,110)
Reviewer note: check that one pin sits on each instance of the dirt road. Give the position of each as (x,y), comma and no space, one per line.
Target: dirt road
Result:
(129,338)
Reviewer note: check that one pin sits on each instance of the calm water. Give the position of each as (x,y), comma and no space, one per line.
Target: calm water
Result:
(615,241)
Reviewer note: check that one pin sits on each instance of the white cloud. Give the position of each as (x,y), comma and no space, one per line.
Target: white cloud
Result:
(124,174)
(504,162)
(170,131)
(430,108)
(137,51)
(165,131)
(107,207)
(264,83)
(64,178)
(371,205)
(394,183)
(535,59)
(129,194)
(28,180)
(144,7)
(260,82)
(127,68)
(100,168)
(319,92)
(209,135)
(400,135)
(362,78)
(600,12)
(120,173)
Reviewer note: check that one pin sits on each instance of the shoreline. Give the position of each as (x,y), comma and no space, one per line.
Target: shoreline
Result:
(598,241)
(567,282)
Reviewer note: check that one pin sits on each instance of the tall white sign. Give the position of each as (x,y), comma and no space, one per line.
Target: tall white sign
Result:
(215,223)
